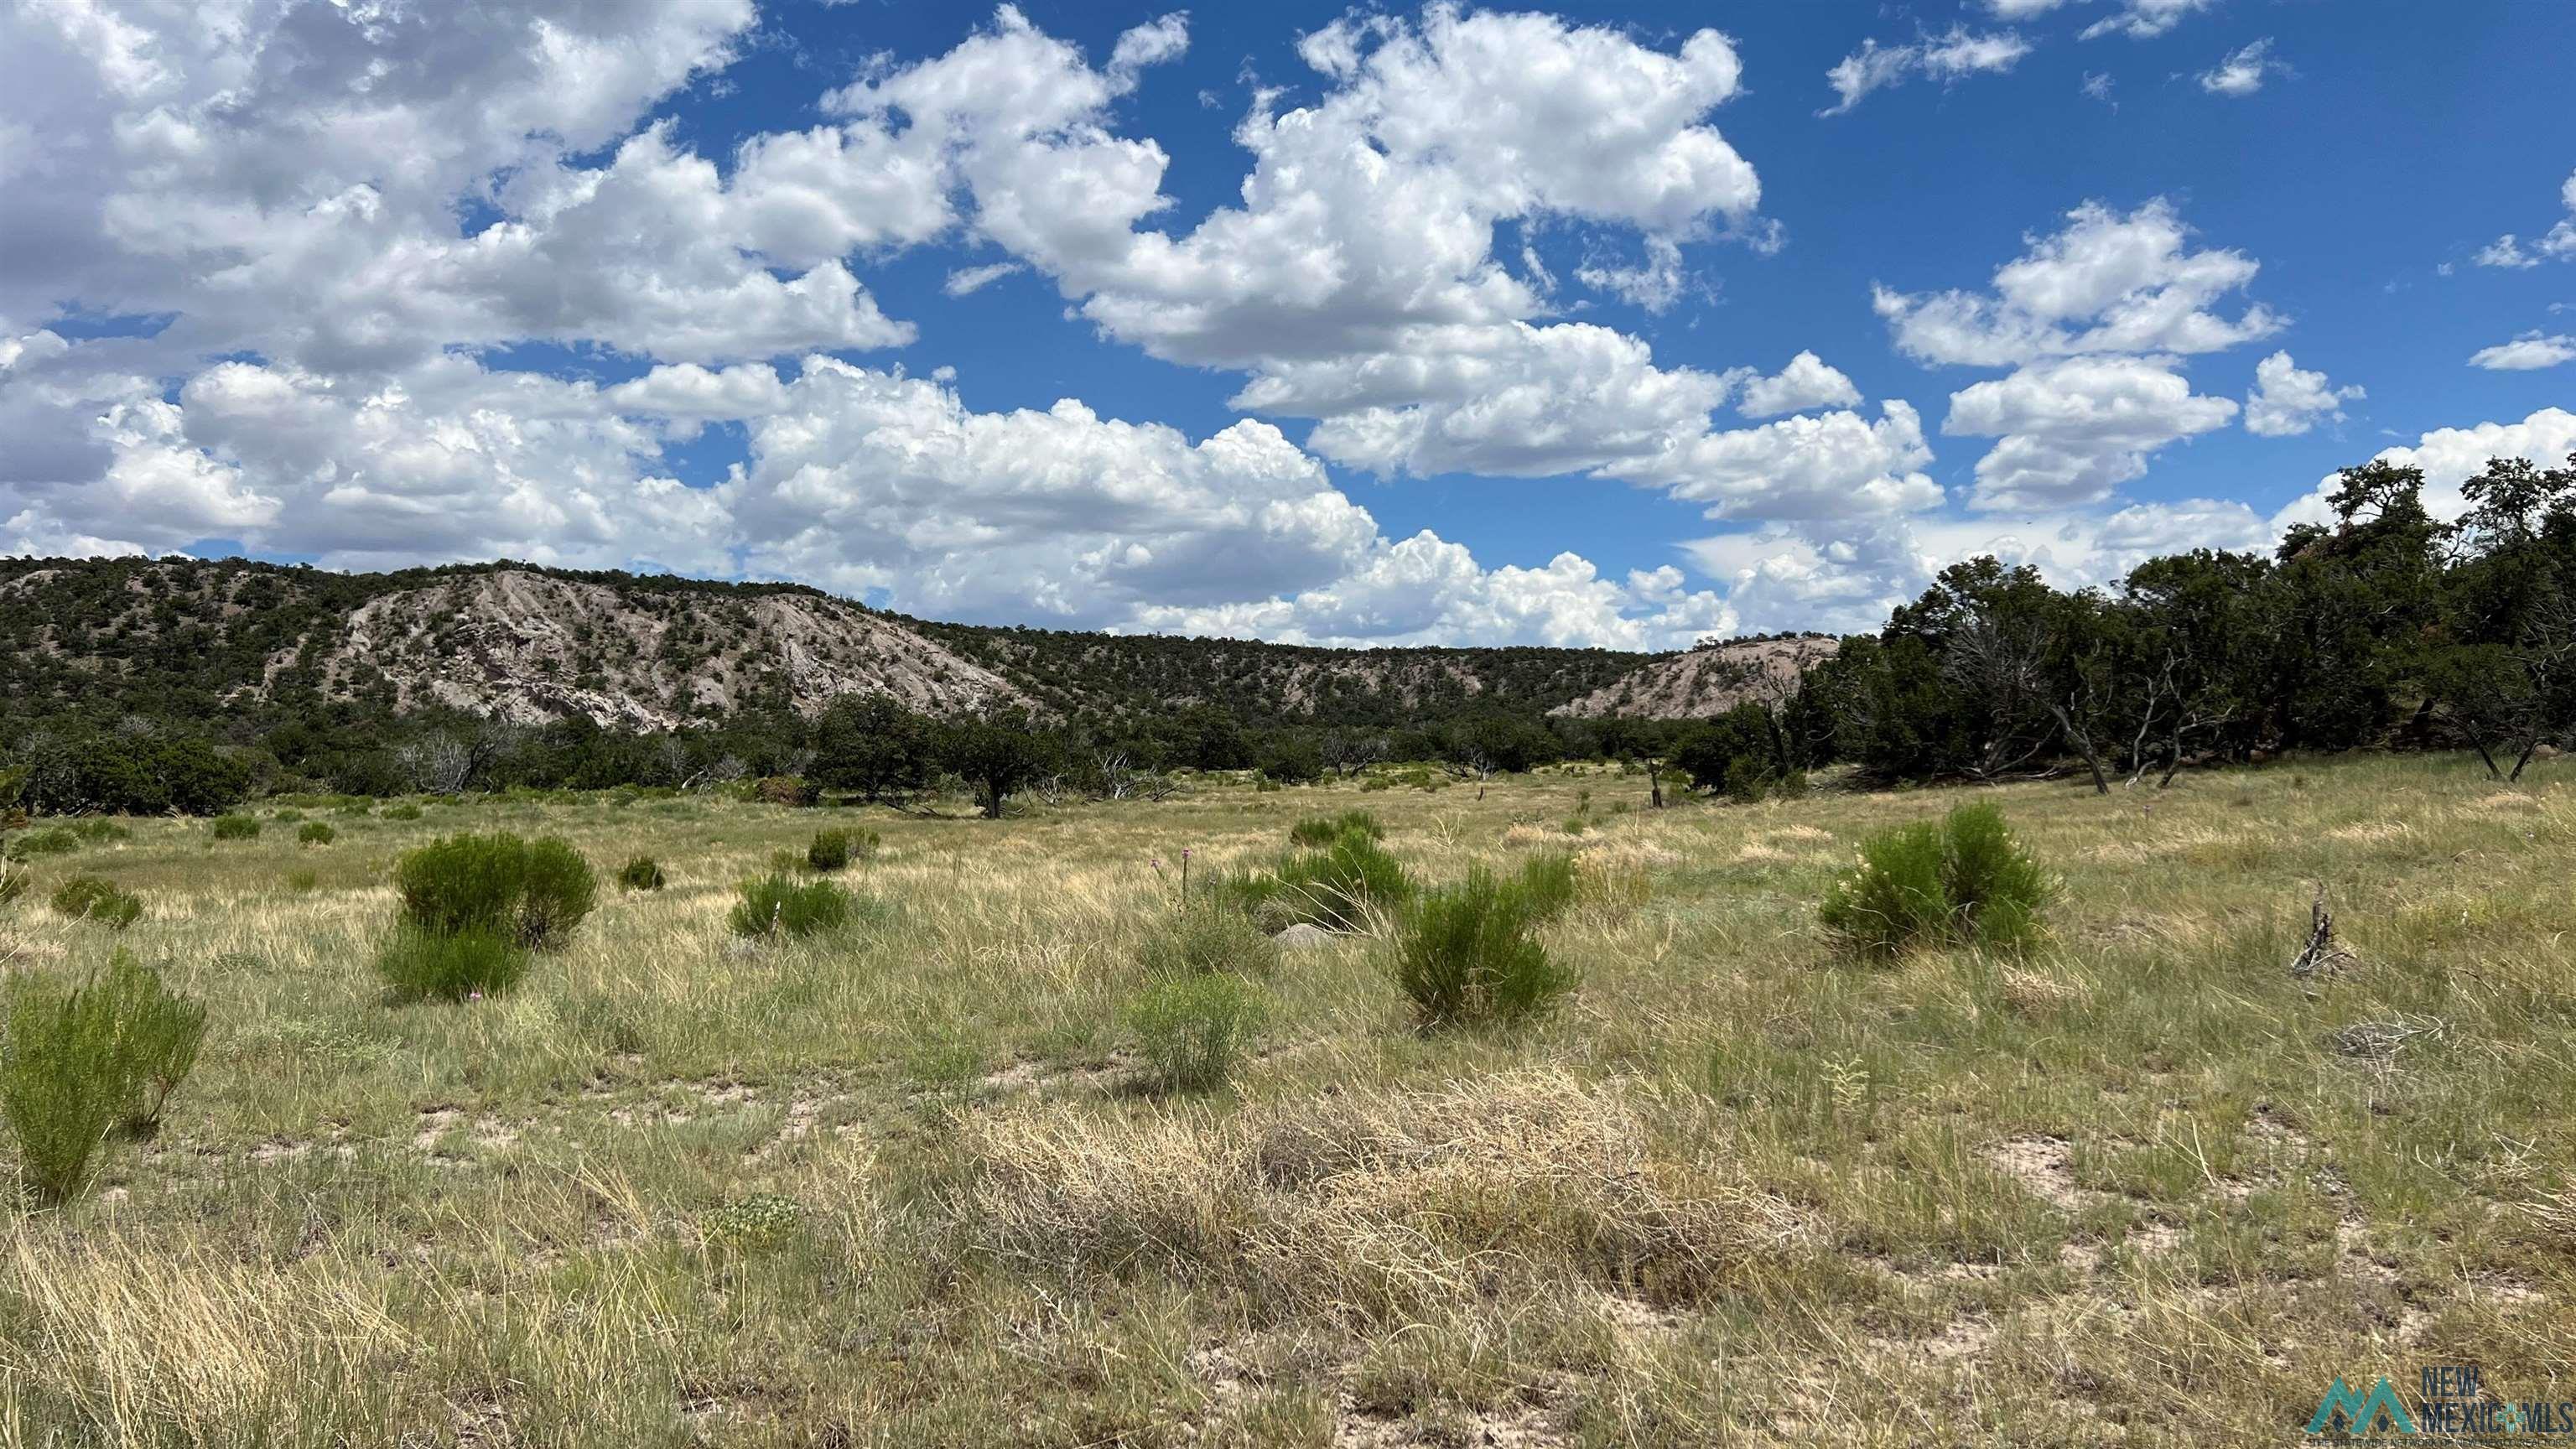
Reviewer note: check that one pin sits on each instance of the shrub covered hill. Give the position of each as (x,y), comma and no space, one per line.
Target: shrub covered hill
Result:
(339,680)
(527,645)
(141,686)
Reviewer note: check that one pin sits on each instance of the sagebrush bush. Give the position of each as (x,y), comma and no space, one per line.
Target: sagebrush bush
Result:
(529,893)
(91,898)
(1323,830)
(643,873)
(451,966)
(82,1060)
(236,827)
(1191,1030)
(314,832)
(1338,887)
(1960,881)
(1204,940)
(1466,956)
(835,849)
(780,905)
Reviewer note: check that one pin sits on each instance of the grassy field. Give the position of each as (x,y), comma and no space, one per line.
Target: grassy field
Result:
(900,1187)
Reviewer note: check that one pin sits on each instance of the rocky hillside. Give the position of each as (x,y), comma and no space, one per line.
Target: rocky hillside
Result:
(1704,682)
(527,647)
(259,646)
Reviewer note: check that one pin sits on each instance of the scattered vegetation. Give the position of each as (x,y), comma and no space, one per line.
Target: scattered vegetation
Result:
(1320,831)
(527,894)
(94,898)
(780,905)
(1191,1029)
(1203,940)
(835,849)
(1339,887)
(1959,881)
(81,1060)
(1467,956)
(427,965)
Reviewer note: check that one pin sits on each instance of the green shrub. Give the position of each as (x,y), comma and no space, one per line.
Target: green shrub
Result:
(1319,831)
(82,1060)
(1337,887)
(54,840)
(1466,956)
(158,1035)
(1202,941)
(1961,881)
(530,893)
(1546,884)
(643,873)
(288,817)
(404,811)
(314,832)
(1191,1030)
(835,849)
(780,905)
(90,898)
(236,827)
(424,965)
(95,831)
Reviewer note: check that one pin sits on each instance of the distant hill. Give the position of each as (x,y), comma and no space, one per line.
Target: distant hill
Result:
(1707,681)
(242,641)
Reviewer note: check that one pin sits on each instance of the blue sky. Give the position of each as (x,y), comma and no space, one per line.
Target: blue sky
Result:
(683,284)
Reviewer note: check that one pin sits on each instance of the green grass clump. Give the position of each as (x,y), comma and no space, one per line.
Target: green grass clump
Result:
(529,893)
(13,883)
(1960,881)
(1338,887)
(835,849)
(1191,1030)
(236,827)
(54,840)
(91,898)
(1319,831)
(303,881)
(404,811)
(779,905)
(425,965)
(82,1060)
(1201,940)
(314,832)
(1466,955)
(643,873)
(1546,884)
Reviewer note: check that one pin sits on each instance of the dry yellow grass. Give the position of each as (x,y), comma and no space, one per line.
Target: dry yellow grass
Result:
(1741,1190)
